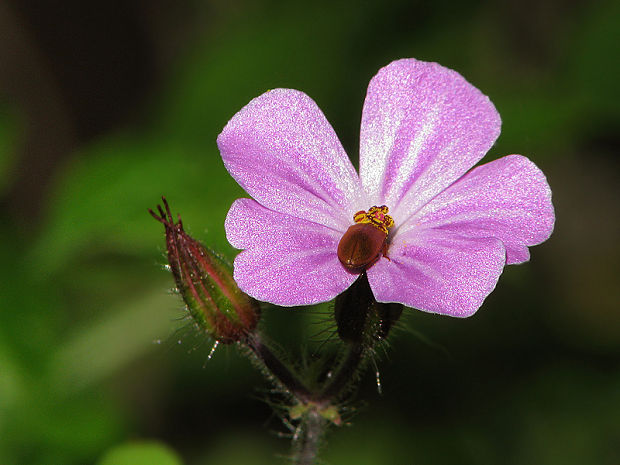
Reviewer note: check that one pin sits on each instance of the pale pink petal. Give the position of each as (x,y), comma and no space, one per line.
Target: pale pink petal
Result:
(438,271)
(423,127)
(287,261)
(507,198)
(283,152)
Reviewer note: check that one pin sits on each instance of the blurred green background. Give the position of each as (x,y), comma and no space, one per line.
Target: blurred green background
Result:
(107,105)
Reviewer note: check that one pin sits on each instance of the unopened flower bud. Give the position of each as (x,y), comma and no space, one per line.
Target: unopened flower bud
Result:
(205,282)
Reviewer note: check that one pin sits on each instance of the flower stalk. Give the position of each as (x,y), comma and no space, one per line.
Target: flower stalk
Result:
(308,441)
(277,370)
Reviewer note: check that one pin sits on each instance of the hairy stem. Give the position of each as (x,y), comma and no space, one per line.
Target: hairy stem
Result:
(274,368)
(309,440)
(344,375)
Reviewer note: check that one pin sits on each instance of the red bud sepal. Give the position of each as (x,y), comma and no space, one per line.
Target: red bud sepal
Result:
(205,281)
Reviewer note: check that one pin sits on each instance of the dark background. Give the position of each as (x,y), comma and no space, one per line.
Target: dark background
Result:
(107,105)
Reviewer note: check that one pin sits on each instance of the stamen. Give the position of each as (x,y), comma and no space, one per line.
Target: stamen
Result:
(377,216)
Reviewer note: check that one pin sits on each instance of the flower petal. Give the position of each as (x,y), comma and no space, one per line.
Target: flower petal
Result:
(281,149)
(438,271)
(423,127)
(287,261)
(507,198)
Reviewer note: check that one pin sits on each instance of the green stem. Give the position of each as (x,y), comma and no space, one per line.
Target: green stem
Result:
(275,369)
(309,440)
(345,374)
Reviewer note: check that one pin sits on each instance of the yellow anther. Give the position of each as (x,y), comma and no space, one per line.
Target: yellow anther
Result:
(377,216)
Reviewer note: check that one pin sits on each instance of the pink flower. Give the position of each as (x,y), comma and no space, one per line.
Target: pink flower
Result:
(423,127)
